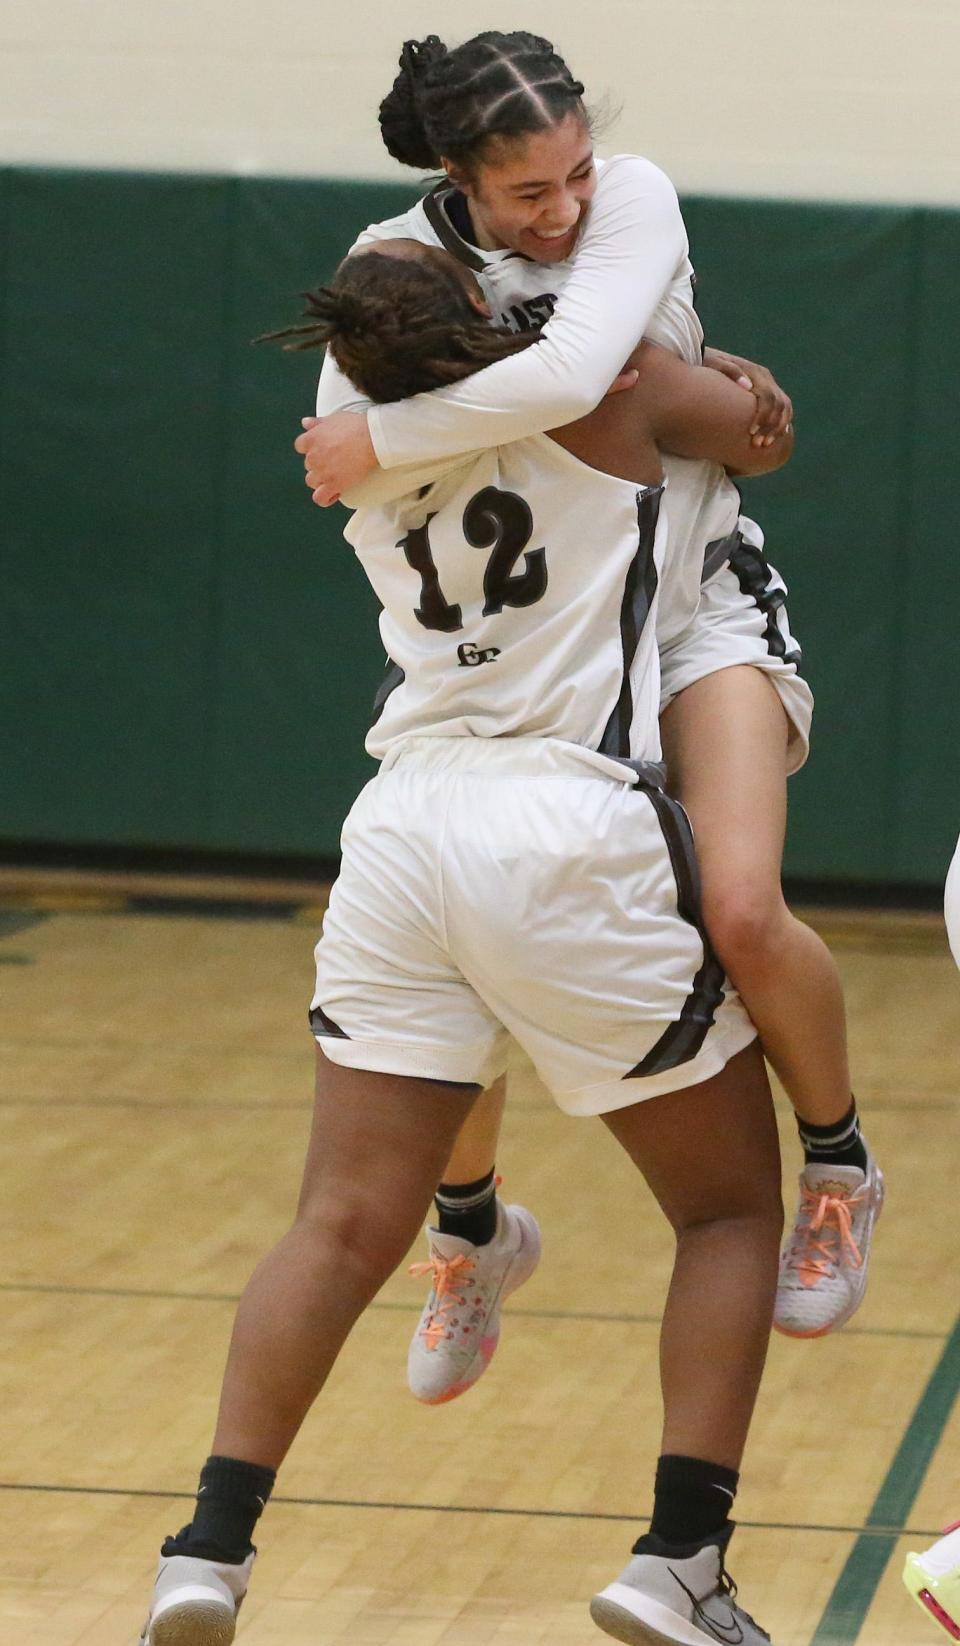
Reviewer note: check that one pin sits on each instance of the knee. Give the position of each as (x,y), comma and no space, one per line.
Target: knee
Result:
(748,927)
(753,1216)
(364,1241)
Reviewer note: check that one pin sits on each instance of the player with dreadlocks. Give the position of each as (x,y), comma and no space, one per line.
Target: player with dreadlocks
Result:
(515,869)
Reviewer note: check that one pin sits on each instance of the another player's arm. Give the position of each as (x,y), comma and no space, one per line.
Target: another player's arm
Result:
(695,412)
(335,393)
(688,410)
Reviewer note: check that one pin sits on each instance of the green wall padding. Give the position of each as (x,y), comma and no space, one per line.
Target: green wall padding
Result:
(189,649)
(826,295)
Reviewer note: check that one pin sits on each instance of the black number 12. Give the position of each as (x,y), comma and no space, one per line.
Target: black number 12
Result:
(495,520)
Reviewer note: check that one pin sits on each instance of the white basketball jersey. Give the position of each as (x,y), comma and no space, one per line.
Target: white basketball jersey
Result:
(702,504)
(519,599)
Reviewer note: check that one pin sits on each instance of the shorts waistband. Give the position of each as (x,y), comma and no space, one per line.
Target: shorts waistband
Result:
(519,757)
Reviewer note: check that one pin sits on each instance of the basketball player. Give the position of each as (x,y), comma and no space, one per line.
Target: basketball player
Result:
(514,856)
(597,252)
(933,1578)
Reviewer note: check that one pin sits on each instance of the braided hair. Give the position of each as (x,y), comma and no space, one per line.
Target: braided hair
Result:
(457,104)
(397,328)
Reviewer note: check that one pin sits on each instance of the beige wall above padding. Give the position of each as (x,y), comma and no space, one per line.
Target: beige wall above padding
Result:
(824,99)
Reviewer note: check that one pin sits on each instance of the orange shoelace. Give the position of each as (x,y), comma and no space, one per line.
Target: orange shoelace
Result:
(446,1272)
(826,1216)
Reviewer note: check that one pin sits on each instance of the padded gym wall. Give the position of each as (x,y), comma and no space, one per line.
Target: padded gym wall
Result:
(189,651)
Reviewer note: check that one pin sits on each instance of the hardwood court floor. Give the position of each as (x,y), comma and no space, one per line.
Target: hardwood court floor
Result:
(154,1089)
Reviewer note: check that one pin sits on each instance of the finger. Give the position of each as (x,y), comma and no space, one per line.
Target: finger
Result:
(745,382)
(768,412)
(780,417)
(786,415)
(626,380)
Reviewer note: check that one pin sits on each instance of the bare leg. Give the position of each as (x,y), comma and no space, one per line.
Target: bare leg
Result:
(711,1158)
(724,740)
(475,1151)
(376,1152)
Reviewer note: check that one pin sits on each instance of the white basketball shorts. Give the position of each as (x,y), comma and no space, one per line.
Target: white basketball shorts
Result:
(742,618)
(522,886)
(951,905)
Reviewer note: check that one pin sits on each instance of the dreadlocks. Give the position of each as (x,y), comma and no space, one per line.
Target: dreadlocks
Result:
(396,328)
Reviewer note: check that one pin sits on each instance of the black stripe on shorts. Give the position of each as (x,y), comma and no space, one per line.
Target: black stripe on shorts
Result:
(684,1038)
(752,571)
(322,1025)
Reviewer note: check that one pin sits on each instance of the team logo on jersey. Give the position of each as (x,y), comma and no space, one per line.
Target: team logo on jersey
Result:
(531,314)
(470,657)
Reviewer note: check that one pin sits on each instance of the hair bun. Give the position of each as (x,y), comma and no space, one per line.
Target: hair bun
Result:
(401,123)
(417,57)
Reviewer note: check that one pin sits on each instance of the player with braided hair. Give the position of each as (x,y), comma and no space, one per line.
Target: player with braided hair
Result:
(482,851)
(596,253)
(454,106)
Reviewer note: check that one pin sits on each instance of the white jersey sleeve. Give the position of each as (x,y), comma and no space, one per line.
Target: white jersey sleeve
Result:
(336,393)
(632,245)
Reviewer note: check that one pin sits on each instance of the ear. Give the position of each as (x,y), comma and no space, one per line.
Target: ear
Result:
(480,305)
(457,175)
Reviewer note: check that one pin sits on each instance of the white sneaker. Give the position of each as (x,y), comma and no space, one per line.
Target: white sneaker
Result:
(195,1602)
(663,1600)
(459,1328)
(823,1266)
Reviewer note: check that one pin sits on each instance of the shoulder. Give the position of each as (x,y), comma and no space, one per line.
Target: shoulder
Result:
(409,225)
(632,174)
(635,201)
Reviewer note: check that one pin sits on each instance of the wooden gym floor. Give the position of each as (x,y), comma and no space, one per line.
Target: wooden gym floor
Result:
(155,1087)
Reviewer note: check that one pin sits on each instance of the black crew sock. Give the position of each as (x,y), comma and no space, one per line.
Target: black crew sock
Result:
(837,1145)
(468,1210)
(692,1500)
(231,1497)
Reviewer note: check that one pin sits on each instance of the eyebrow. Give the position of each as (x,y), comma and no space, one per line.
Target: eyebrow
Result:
(541,183)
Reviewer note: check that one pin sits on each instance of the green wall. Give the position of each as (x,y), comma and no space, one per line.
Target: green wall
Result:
(188,649)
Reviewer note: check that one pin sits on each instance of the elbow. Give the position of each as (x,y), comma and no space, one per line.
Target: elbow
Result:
(765,459)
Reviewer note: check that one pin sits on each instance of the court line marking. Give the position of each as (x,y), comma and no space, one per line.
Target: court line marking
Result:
(385,1306)
(875,1533)
(854,1591)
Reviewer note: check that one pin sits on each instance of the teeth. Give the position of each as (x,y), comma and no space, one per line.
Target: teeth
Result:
(557,234)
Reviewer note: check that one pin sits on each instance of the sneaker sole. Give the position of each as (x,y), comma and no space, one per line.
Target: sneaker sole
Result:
(195,1623)
(855,1302)
(519,1272)
(613,1611)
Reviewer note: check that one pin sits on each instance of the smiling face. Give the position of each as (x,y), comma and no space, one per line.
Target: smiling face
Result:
(530,194)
